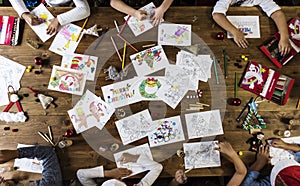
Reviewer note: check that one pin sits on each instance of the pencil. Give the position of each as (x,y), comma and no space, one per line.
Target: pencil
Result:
(43,136)
(235,84)
(150,45)
(82,28)
(124,54)
(117,27)
(50,132)
(188,170)
(216,72)
(115,46)
(100,38)
(120,32)
(298,104)
(225,63)
(127,42)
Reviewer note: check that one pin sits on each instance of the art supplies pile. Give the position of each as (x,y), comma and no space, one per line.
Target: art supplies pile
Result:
(249,25)
(90,111)
(267,83)
(9,30)
(270,47)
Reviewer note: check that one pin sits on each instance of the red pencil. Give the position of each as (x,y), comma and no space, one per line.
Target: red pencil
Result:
(120,32)
(127,42)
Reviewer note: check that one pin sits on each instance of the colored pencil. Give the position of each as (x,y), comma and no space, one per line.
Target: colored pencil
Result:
(117,27)
(120,32)
(216,71)
(86,20)
(115,46)
(43,136)
(188,170)
(124,54)
(150,45)
(238,119)
(235,84)
(298,104)
(127,42)
(225,63)
(50,133)
(100,38)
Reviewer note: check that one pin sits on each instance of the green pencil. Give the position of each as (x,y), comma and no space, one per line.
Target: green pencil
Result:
(225,63)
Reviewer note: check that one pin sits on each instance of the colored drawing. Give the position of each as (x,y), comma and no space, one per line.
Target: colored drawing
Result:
(149,61)
(121,93)
(141,165)
(134,127)
(174,34)
(81,62)
(67,80)
(249,25)
(139,27)
(168,130)
(203,124)
(201,154)
(90,111)
(65,40)
(44,16)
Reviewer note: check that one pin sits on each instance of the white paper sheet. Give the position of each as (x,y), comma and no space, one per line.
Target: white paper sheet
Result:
(174,34)
(246,24)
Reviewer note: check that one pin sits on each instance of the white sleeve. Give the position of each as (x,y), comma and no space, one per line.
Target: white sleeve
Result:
(85,176)
(81,11)
(269,6)
(155,170)
(222,6)
(19,6)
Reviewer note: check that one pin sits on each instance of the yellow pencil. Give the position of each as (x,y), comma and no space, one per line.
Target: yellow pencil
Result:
(86,20)
(124,54)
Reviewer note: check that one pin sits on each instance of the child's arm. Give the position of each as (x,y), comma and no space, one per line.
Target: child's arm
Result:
(122,7)
(238,36)
(278,143)
(160,11)
(280,21)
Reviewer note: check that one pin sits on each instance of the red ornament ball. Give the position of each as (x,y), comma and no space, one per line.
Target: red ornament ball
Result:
(220,35)
(38,61)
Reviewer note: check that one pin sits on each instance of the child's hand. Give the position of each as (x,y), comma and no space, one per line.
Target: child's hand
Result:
(53,27)
(278,143)
(117,173)
(31,19)
(158,16)
(239,39)
(284,46)
(225,148)
(263,154)
(180,177)
(140,14)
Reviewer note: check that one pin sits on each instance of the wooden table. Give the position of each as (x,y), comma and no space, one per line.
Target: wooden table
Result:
(80,154)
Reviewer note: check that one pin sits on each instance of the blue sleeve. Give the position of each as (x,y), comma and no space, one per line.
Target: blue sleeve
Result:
(51,169)
(251,179)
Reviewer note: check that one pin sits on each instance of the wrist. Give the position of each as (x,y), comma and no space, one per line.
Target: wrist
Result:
(107,174)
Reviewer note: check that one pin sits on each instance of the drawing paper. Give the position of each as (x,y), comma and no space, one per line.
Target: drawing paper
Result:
(139,27)
(65,40)
(174,34)
(67,80)
(146,87)
(167,130)
(90,111)
(203,124)
(149,61)
(45,16)
(121,93)
(201,155)
(136,167)
(81,62)
(246,24)
(135,127)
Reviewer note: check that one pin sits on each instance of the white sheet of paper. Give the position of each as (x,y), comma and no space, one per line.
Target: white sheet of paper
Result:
(203,124)
(135,167)
(28,165)
(67,80)
(278,154)
(246,24)
(201,155)
(174,34)
(90,111)
(146,87)
(11,73)
(65,40)
(81,62)
(149,61)
(168,130)
(41,30)
(121,93)
(139,27)
(135,127)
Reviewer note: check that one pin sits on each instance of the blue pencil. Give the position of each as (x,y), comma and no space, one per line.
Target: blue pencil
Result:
(216,72)
(100,38)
